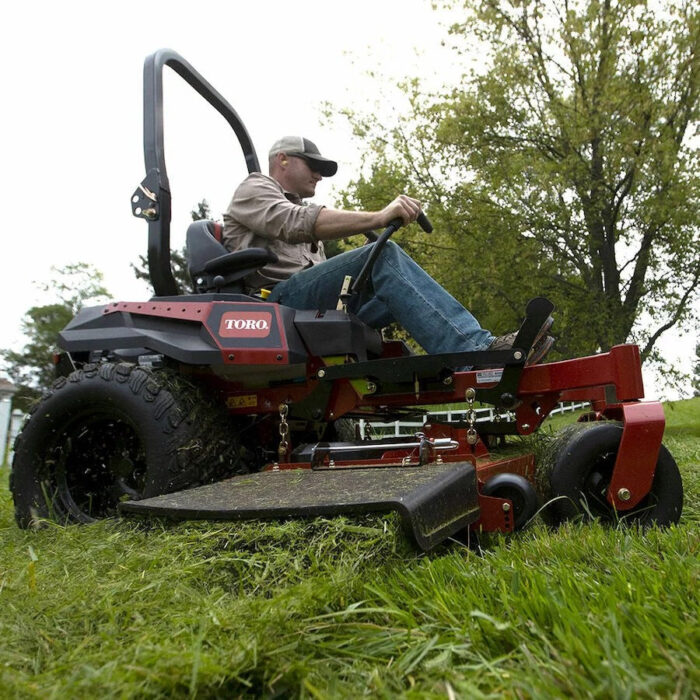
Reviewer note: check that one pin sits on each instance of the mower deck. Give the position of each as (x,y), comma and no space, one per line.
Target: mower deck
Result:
(435,501)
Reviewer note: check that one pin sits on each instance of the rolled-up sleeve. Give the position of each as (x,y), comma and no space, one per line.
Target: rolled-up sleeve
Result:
(261,207)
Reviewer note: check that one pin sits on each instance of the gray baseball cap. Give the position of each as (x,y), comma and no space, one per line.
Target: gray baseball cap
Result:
(303,148)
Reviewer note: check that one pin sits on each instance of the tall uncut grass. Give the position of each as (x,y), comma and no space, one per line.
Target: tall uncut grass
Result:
(346,607)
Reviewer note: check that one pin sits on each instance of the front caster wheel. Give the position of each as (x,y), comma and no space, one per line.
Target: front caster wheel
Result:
(577,472)
(519,491)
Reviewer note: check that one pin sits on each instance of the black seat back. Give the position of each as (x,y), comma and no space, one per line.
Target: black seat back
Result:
(212,268)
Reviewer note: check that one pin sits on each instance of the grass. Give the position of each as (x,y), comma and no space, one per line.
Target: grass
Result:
(346,607)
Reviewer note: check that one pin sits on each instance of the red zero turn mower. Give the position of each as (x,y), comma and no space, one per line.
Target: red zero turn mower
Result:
(220,405)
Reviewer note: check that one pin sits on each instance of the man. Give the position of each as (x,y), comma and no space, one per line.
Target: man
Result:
(269,212)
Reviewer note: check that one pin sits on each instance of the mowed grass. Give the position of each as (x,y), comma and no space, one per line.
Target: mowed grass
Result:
(347,607)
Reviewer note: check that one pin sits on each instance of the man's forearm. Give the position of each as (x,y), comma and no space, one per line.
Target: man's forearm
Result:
(334,223)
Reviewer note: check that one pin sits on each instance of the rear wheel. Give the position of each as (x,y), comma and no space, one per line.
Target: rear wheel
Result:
(115,432)
(577,472)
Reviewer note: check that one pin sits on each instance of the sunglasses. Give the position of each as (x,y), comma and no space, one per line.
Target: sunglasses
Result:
(313,167)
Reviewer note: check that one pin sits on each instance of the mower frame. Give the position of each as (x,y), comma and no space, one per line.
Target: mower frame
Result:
(264,361)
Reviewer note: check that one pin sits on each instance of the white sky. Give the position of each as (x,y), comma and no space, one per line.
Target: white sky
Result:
(71,118)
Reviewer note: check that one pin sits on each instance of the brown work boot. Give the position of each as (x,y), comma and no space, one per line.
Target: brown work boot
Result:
(542,345)
(503,342)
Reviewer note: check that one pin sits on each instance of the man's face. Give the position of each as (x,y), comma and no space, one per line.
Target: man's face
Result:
(300,177)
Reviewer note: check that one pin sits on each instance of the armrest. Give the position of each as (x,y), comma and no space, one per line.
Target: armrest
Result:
(240,260)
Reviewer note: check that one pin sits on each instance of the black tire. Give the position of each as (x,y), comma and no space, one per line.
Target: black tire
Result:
(115,432)
(343,430)
(578,471)
(519,491)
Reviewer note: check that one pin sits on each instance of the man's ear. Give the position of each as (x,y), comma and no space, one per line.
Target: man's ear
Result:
(278,163)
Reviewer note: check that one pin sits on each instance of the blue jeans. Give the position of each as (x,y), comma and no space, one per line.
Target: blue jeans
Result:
(399,290)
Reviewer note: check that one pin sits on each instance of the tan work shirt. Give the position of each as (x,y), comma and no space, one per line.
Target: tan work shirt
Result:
(262,215)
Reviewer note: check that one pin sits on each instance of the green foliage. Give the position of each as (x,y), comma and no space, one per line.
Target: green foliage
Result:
(178,258)
(178,264)
(201,212)
(565,165)
(344,607)
(32,368)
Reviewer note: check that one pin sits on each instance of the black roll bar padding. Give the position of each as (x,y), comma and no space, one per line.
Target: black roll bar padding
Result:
(154,155)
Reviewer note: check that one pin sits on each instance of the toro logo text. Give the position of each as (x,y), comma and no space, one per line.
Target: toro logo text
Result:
(245,324)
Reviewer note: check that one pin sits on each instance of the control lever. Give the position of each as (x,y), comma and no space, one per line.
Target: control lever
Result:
(424,222)
(394,225)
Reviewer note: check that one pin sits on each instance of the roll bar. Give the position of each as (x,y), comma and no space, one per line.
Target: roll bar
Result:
(151,200)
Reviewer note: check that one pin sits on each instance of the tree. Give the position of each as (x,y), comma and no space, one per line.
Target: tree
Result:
(32,368)
(201,212)
(566,163)
(178,258)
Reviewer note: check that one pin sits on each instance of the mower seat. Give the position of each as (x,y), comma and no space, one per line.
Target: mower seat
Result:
(212,267)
